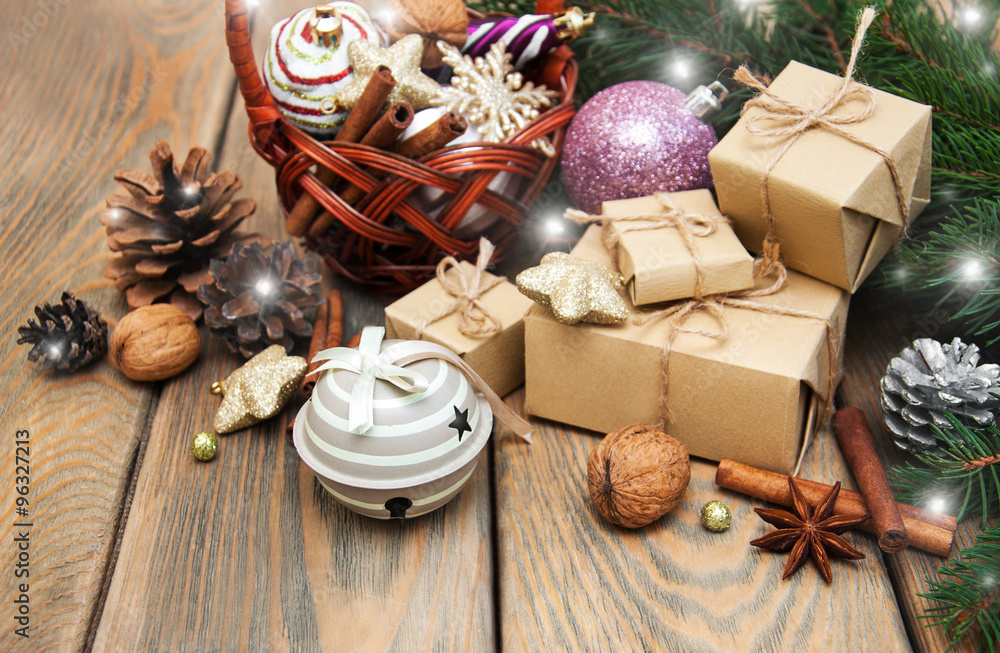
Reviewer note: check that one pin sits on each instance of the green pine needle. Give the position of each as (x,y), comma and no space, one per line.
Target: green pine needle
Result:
(968,594)
(966,478)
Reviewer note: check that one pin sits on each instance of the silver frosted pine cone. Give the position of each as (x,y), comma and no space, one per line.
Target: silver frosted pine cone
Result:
(927,379)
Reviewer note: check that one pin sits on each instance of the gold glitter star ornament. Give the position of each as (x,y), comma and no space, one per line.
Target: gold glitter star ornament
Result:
(403,58)
(576,290)
(258,390)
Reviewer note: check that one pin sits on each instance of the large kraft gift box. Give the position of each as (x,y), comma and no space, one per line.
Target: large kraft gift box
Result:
(834,202)
(656,264)
(498,358)
(747,397)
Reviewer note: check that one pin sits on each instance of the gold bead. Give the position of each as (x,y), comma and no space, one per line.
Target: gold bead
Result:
(715,516)
(204,445)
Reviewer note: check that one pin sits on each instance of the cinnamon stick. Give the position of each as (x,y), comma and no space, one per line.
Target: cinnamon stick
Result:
(357,124)
(382,134)
(328,331)
(332,336)
(925,534)
(433,137)
(859,449)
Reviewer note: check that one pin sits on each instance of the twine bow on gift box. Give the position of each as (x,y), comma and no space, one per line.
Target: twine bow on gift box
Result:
(688,225)
(782,118)
(371,364)
(474,319)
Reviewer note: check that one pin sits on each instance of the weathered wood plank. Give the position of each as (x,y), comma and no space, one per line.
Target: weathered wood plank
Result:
(568,580)
(249,552)
(881,324)
(89,87)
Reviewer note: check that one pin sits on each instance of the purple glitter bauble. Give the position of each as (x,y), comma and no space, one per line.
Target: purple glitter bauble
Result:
(631,140)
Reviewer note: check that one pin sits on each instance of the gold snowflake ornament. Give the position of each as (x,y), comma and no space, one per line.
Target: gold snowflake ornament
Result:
(492,96)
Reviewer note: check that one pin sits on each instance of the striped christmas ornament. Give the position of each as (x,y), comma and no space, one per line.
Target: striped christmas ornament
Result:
(304,75)
(529,37)
(394,428)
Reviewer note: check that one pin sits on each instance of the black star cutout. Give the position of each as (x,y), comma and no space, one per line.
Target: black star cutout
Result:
(461,422)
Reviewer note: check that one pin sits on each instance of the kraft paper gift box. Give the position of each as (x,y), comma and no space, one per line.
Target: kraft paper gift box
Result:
(498,358)
(751,396)
(833,201)
(656,264)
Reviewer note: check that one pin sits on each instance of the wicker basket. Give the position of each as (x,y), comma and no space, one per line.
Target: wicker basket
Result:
(386,241)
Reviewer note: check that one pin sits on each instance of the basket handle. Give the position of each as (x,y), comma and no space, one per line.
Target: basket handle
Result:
(256,98)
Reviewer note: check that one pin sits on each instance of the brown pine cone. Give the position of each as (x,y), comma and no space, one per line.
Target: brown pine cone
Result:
(170,225)
(67,335)
(257,297)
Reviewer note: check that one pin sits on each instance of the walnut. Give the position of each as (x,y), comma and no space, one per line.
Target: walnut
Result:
(637,475)
(433,20)
(154,342)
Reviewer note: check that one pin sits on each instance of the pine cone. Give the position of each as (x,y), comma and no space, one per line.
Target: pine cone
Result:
(170,225)
(929,378)
(67,336)
(257,298)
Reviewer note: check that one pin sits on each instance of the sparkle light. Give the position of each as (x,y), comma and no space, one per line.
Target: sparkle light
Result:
(554,226)
(54,350)
(264,287)
(190,189)
(938,505)
(971,16)
(972,269)
(681,68)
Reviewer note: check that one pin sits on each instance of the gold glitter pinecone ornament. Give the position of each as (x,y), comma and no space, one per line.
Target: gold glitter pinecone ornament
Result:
(67,335)
(170,225)
(258,296)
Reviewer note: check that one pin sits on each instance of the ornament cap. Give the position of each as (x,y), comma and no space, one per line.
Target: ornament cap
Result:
(706,100)
(325,26)
(571,23)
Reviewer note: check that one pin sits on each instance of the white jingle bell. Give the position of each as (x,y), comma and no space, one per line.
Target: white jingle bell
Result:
(394,428)
(306,63)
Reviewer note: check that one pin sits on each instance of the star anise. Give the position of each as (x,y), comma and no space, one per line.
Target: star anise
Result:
(814,533)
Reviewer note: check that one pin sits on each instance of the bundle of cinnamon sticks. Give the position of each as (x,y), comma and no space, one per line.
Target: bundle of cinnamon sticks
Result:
(367,124)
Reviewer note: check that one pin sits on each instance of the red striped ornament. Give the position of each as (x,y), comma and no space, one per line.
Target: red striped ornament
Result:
(304,77)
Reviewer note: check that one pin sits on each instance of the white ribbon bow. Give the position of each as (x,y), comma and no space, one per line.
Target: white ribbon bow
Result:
(369,364)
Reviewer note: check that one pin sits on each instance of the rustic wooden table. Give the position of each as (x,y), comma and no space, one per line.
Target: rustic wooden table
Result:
(136,546)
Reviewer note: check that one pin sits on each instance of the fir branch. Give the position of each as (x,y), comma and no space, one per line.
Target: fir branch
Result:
(966,476)
(968,594)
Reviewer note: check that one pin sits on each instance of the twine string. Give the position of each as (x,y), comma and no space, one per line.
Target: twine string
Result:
(782,118)
(474,318)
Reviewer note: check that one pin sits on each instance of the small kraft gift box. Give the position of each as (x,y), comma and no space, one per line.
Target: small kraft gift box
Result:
(748,378)
(656,256)
(477,315)
(838,169)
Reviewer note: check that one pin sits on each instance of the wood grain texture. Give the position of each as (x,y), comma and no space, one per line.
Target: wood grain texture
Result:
(570,581)
(882,323)
(249,552)
(89,87)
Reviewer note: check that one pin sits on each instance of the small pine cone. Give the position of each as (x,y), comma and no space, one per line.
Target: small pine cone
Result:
(928,379)
(67,336)
(170,225)
(257,298)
